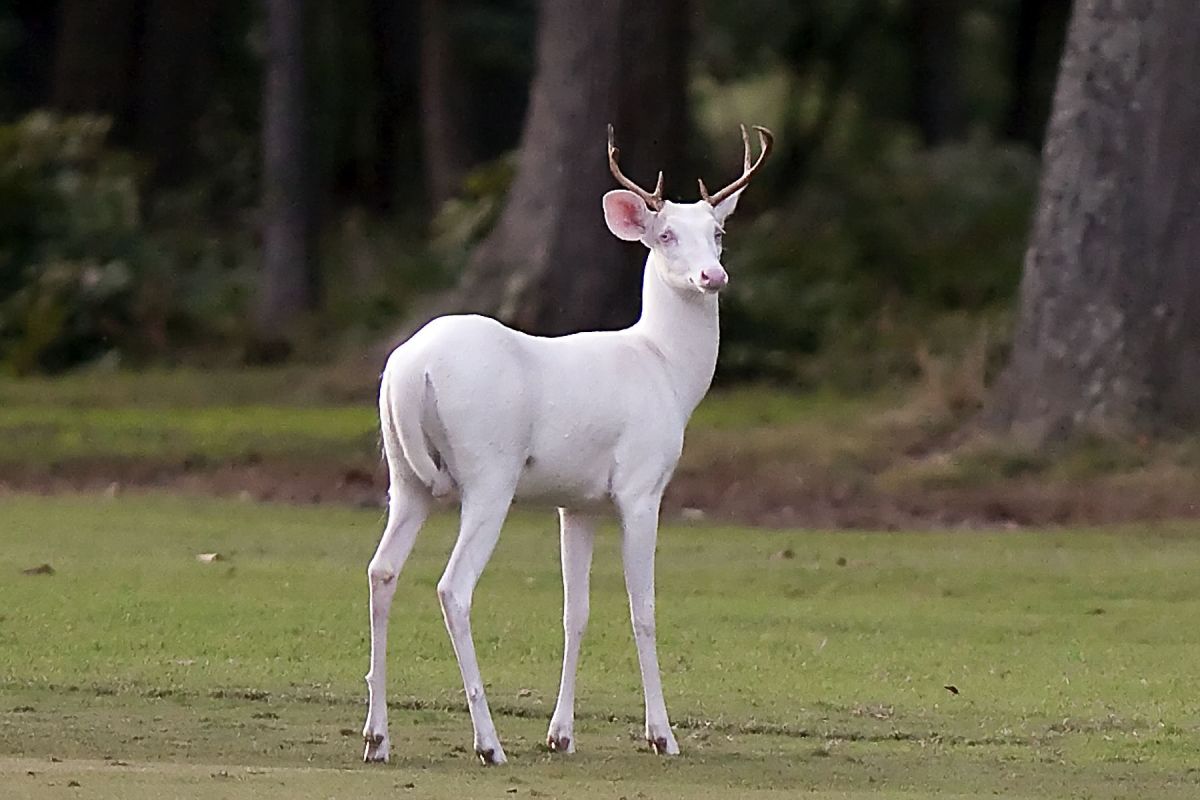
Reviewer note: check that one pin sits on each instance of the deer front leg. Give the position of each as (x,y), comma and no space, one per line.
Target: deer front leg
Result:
(577,537)
(639,535)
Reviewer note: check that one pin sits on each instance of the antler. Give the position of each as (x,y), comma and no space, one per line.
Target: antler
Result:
(765,140)
(653,201)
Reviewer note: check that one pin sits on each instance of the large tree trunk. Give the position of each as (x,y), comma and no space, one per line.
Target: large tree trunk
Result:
(175,82)
(1037,37)
(287,288)
(443,102)
(550,266)
(94,60)
(395,44)
(29,63)
(1108,338)
(937,91)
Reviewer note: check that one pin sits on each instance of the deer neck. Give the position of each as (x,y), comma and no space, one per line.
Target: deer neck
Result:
(684,329)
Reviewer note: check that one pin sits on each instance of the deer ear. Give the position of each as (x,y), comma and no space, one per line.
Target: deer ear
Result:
(724,208)
(626,214)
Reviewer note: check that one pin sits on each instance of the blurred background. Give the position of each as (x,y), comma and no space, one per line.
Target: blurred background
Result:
(224,187)
(157,155)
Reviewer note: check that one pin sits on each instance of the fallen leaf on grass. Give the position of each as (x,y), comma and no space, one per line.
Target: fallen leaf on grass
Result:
(208,558)
(951,688)
(40,569)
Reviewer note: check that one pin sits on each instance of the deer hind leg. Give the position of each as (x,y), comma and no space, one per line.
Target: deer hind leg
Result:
(483,513)
(407,509)
(578,536)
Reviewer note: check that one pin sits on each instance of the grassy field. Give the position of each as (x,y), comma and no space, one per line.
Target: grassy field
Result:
(794,662)
(783,459)
(229,415)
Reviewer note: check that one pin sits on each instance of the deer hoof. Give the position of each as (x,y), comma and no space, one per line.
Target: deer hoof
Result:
(376,751)
(492,756)
(663,746)
(559,744)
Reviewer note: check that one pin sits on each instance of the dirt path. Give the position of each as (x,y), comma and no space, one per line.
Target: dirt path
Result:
(775,496)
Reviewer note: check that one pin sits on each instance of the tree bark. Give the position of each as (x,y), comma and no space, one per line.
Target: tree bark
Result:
(443,105)
(94,61)
(394,42)
(550,266)
(287,286)
(1037,38)
(175,82)
(937,90)
(29,64)
(1108,337)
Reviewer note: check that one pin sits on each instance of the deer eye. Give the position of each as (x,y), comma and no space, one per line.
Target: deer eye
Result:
(718,237)
(667,236)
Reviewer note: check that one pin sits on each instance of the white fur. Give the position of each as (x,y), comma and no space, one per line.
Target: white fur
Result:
(576,421)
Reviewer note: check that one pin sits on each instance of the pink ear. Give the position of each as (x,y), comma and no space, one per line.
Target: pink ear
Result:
(626,215)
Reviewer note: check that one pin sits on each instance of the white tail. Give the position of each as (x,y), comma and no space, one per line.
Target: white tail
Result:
(580,422)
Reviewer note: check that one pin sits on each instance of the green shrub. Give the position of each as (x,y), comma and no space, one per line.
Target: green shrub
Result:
(88,268)
(70,224)
(847,280)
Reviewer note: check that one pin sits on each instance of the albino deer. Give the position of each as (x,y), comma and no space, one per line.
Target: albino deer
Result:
(576,421)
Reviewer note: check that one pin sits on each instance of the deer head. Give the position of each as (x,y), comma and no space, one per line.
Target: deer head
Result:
(686,236)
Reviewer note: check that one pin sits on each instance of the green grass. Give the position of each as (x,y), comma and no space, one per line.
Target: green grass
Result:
(1075,655)
(43,435)
(184,415)
(232,415)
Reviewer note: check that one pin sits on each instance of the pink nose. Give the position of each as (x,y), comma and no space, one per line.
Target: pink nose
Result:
(713,277)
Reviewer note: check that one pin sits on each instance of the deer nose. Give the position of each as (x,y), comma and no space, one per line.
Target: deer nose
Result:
(713,277)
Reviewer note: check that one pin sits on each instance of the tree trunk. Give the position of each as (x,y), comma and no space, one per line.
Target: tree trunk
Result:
(94,61)
(394,44)
(1108,338)
(29,64)
(443,102)
(1037,38)
(286,289)
(175,82)
(937,91)
(550,266)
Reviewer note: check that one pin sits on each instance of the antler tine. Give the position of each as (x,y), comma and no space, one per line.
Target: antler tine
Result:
(653,200)
(765,140)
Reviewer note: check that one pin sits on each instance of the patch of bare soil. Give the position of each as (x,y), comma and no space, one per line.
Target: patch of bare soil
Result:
(776,494)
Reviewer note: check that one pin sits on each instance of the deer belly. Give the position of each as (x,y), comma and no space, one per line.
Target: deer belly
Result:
(582,479)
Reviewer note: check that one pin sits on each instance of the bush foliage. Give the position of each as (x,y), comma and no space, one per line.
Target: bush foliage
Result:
(856,272)
(83,272)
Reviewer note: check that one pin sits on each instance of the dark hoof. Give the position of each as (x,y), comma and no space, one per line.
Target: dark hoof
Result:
(559,744)
(376,751)
(659,745)
(486,757)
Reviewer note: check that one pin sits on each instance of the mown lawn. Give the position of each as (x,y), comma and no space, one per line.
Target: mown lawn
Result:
(230,415)
(794,661)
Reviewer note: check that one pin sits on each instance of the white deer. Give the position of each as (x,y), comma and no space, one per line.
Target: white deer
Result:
(576,421)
